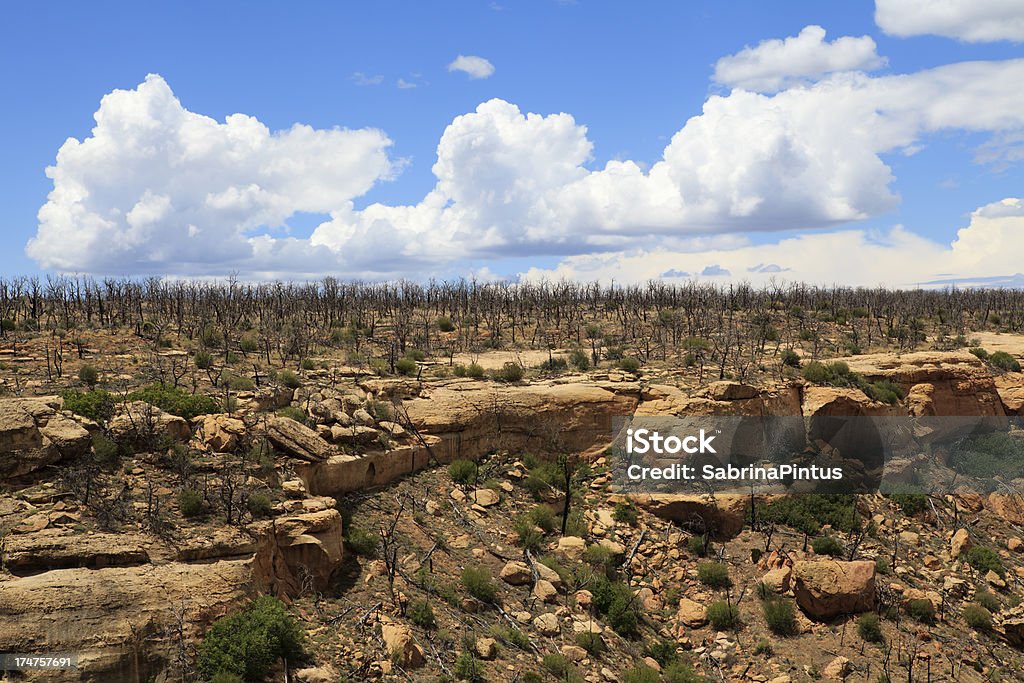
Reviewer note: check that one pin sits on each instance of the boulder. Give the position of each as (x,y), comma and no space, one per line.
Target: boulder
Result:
(138,421)
(547,624)
(544,591)
(220,433)
(400,644)
(299,546)
(548,574)
(486,648)
(778,580)
(838,669)
(35,434)
(485,497)
(828,588)
(960,542)
(1012,622)
(723,514)
(516,574)
(297,440)
(691,613)
(356,435)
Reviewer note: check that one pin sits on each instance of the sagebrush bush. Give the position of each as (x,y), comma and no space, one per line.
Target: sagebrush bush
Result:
(479,583)
(509,372)
(985,559)
(780,615)
(176,401)
(445,324)
(629,364)
(559,666)
(921,610)
(289,379)
(406,366)
(89,375)
(97,405)
(580,360)
(259,505)
(977,617)
(190,503)
(468,668)
(695,546)
(422,614)
(827,545)
(1004,361)
(722,615)
(681,672)
(593,643)
(641,673)
(987,600)
(809,512)
(625,513)
(361,542)
(462,472)
(714,574)
(246,643)
(869,627)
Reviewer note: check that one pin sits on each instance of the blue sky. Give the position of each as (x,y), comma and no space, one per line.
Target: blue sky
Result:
(631,73)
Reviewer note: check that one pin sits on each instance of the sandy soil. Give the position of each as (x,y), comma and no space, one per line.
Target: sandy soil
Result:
(492,360)
(994,341)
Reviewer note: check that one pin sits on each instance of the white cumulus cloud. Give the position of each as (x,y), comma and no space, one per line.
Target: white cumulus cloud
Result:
(473,66)
(989,245)
(157,187)
(972,21)
(773,64)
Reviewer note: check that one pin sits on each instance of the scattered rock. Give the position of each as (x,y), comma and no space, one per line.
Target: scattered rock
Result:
(486,648)
(297,440)
(547,624)
(485,497)
(828,588)
(544,591)
(960,542)
(838,669)
(573,546)
(691,613)
(399,642)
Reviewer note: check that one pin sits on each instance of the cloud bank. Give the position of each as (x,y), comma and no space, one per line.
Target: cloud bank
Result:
(774,64)
(157,189)
(972,21)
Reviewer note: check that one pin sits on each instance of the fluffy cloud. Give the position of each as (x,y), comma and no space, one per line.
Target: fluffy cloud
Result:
(473,66)
(973,21)
(773,64)
(157,187)
(989,244)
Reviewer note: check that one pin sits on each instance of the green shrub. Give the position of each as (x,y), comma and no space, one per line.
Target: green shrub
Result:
(510,372)
(987,600)
(790,358)
(211,337)
(836,373)
(542,516)
(406,366)
(882,566)
(462,472)
(764,647)
(615,600)
(512,636)
(723,616)
(468,668)
(827,545)
(629,364)
(599,556)
(226,677)
(249,343)
(911,504)
(190,503)
(289,379)
(530,537)
(869,626)
(580,360)
(259,505)
(641,673)
(593,643)
(295,413)
(445,324)
(884,391)
(780,615)
(422,614)
(681,672)
(625,513)
(106,453)
(714,574)
(695,546)
(996,454)
(979,352)
(248,642)
(1004,361)
(203,360)
(239,383)
(561,668)
(984,559)
(97,405)
(977,617)
(89,375)
(554,365)
(809,512)
(176,401)
(921,610)
(479,583)
(361,542)
(475,370)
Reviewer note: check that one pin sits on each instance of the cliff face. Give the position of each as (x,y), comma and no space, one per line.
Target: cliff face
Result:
(116,597)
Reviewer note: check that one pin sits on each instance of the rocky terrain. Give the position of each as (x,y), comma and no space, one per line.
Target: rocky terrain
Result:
(124,538)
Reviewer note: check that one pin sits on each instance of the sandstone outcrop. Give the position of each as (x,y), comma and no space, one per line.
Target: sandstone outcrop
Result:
(297,440)
(828,588)
(140,422)
(34,433)
(220,433)
(723,515)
